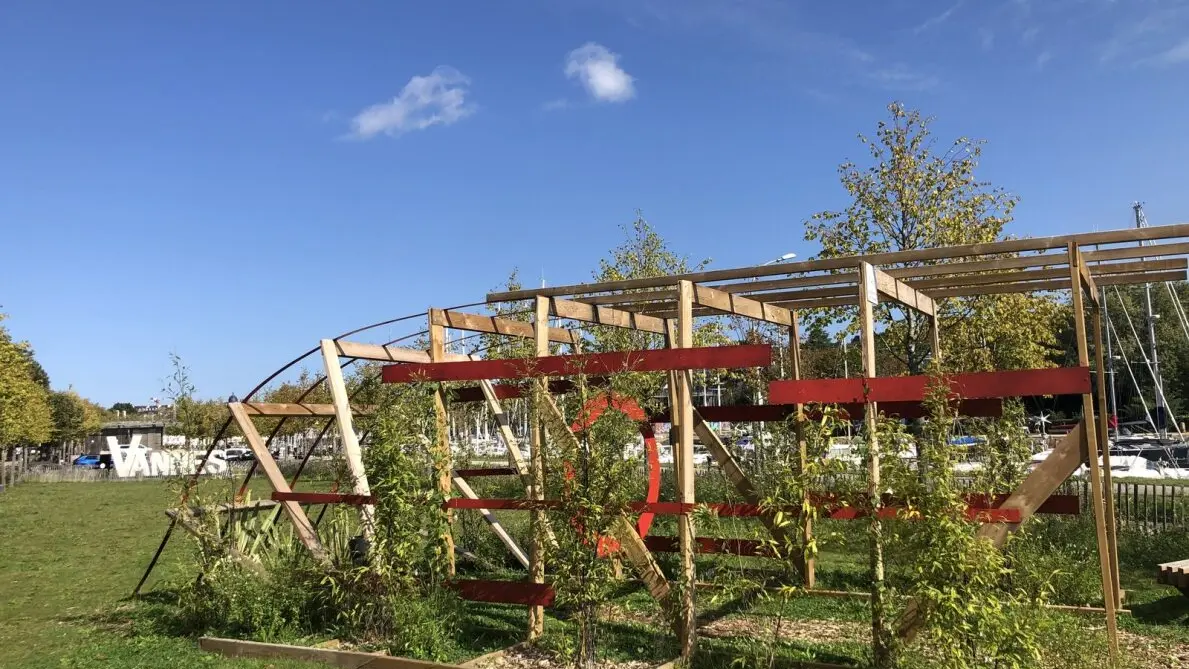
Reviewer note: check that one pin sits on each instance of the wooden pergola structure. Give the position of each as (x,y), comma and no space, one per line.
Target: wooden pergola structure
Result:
(774,294)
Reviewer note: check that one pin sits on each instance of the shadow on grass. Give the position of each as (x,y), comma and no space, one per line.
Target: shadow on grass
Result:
(1169,610)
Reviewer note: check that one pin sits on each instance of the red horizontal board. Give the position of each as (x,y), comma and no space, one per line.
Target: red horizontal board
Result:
(832,508)
(504,592)
(977,385)
(1059,505)
(323,498)
(507,391)
(659,360)
(744,547)
(487,471)
(982,408)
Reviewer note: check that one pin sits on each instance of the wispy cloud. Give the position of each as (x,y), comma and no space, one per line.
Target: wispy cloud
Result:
(937,19)
(597,68)
(1174,55)
(902,78)
(1043,58)
(438,98)
(555,105)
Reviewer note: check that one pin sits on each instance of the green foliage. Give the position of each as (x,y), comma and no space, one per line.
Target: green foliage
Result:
(910,197)
(25,414)
(74,418)
(593,474)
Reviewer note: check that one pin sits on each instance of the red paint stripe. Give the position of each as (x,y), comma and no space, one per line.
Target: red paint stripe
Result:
(504,592)
(507,391)
(659,360)
(743,547)
(830,506)
(323,498)
(731,413)
(978,385)
(489,471)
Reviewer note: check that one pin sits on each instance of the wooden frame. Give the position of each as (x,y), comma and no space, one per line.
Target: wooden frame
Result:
(669,306)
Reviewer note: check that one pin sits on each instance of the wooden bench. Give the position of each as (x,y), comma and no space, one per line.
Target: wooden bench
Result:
(1175,574)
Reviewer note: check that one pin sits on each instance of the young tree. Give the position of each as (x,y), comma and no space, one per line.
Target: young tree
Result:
(75,418)
(912,197)
(25,416)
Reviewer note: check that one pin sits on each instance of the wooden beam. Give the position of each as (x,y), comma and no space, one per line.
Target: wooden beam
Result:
(868,285)
(708,357)
(264,460)
(344,659)
(1109,591)
(735,474)
(352,452)
(806,561)
(536,481)
(622,530)
(888,258)
(440,449)
(739,305)
(458,320)
(590,313)
(972,385)
(504,592)
(505,538)
(890,286)
(278,409)
(683,460)
(1086,278)
(1104,438)
(915,276)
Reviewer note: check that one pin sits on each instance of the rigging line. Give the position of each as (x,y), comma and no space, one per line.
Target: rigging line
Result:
(1167,451)
(1159,385)
(1127,364)
(1176,303)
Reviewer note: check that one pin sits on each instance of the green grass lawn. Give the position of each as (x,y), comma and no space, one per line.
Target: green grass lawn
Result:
(71,553)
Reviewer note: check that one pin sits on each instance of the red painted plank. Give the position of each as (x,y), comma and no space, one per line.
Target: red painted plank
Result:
(977,385)
(659,360)
(831,507)
(323,498)
(507,391)
(1059,505)
(744,547)
(488,471)
(504,592)
(982,408)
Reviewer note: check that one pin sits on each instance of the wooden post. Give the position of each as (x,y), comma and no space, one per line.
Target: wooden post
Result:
(442,456)
(881,641)
(683,464)
(536,489)
(807,563)
(935,338)
(1104,439)
(351,449)
(1109,591)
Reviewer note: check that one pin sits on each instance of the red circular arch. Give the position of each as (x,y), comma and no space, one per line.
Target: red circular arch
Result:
(591,411)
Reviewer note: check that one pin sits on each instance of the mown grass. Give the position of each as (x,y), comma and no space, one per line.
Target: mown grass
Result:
(71,553)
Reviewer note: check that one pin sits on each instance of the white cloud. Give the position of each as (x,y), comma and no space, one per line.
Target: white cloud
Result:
(598,70)
(435,99)
(1175,55)
(937,19)
(554,105)
(1043,58)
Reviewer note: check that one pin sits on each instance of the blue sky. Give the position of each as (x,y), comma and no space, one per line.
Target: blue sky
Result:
(233,181)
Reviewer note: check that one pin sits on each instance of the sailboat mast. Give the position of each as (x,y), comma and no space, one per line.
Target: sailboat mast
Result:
(1141,221)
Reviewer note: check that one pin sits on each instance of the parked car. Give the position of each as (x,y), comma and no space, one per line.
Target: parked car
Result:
(238,455)
(94,461)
